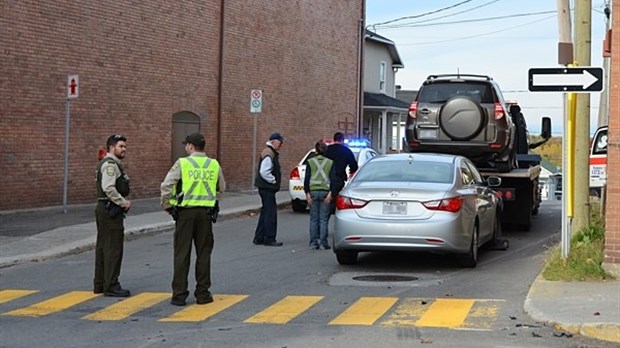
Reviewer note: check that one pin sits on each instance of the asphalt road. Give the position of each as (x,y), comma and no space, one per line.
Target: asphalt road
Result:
(290,296)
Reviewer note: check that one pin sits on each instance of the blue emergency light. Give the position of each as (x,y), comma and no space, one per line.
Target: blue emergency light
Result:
(356,142)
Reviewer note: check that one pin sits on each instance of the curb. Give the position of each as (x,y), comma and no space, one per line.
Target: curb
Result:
(601,331)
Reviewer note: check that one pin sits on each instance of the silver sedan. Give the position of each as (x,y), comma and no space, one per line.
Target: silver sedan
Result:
(417,202)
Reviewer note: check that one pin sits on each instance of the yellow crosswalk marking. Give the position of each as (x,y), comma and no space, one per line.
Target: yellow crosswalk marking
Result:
(444,312)
(54,305)
(366,311)
(196,313)
(482,315)
(10,295)
(408,312)
(284,310)
(129,306)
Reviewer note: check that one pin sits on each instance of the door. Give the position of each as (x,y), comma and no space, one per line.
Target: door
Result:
(183,123)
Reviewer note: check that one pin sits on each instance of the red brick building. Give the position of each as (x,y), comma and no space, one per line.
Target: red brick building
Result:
(612,218)
(154,71)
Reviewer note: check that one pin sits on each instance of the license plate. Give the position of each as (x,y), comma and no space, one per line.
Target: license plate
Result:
(427,134)
(394,208)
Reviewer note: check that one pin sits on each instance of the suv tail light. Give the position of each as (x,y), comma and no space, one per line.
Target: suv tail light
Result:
(499,111)
(452,205)
(295,174)
(413,109)
(343,202)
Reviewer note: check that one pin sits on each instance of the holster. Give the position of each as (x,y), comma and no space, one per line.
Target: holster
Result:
(114,210)
(215,211)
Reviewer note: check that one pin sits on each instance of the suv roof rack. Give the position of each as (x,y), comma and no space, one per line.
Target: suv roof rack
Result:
(432,77)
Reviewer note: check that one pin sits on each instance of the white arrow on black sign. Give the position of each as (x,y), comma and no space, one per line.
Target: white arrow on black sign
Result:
(578,79)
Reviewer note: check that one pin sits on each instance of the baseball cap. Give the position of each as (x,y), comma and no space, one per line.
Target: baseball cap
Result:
(276,136)
(195,139)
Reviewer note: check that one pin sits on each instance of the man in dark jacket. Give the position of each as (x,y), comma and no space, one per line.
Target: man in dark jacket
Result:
(342,157)
(268,179)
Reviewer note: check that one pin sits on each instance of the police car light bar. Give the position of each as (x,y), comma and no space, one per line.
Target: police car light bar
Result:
(357,142)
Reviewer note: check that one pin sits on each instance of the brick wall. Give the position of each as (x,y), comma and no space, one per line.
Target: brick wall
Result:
(612,218)
(306,68)
(141,62)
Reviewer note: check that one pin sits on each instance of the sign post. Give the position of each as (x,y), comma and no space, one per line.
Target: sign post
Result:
(72,93)
(256,106)
(581,79)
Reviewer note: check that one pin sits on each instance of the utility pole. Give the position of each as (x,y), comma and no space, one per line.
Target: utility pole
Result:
(583,53)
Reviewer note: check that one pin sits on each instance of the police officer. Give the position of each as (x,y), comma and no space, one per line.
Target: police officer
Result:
(320,176)
(112,190)
(268,178)
(189,194)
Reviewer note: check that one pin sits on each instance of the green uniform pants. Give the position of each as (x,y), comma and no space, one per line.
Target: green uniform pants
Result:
(193,224)
(108,249)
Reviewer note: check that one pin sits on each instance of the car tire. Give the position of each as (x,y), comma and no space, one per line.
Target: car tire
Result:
(299,206)
(346,257)
(470,259)
(461,118)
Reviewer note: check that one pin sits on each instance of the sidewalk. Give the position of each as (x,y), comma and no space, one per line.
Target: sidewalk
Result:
(40,234)
(590,309)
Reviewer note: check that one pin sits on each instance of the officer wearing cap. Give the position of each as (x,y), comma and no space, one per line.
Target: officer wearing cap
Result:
(112,192)
(189,193)
(267,181)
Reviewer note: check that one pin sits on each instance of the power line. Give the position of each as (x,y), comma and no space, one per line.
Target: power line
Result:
(422,14)
(470,20)
(456,13)
(477,35)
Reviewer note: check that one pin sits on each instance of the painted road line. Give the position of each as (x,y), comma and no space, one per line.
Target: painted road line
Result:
(284,310)
(127,307)
(366,311)
(408,312)
(446,312)
(10,295)
(195,313)
(53,305)
(482,315)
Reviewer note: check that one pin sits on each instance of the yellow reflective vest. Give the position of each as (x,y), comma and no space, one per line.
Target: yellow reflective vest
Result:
(198,182)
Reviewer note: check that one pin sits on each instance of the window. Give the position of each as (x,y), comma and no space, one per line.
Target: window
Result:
(382,73)
(466,175)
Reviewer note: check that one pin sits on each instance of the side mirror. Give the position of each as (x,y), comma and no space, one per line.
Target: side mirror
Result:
(494,181)
(546,128)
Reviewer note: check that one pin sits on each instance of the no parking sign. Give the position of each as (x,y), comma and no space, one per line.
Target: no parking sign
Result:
(256,101)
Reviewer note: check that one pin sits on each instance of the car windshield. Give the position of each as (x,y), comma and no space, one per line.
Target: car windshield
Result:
(414,171)
(440,92)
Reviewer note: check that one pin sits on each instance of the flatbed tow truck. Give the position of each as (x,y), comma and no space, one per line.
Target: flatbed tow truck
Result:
(520,190)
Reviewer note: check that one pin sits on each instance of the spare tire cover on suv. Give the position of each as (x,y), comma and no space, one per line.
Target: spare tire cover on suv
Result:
(461,118)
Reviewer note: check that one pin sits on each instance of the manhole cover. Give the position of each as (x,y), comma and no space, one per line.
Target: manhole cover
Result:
(385,278)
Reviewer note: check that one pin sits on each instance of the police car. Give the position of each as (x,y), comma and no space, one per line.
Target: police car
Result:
(361,150)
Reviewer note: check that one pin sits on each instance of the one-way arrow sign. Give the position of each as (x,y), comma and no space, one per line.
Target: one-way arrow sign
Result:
(582,79)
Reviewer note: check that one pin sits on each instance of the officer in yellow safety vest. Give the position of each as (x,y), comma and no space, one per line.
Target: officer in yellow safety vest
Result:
(189,194)
(318,184)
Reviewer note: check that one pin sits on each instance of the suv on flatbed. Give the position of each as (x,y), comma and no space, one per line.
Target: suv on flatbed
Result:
(464,115)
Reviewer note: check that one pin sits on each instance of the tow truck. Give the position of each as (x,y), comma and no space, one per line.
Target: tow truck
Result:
(520,189)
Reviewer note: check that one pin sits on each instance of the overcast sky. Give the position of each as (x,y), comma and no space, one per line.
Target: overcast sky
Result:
(503,48)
